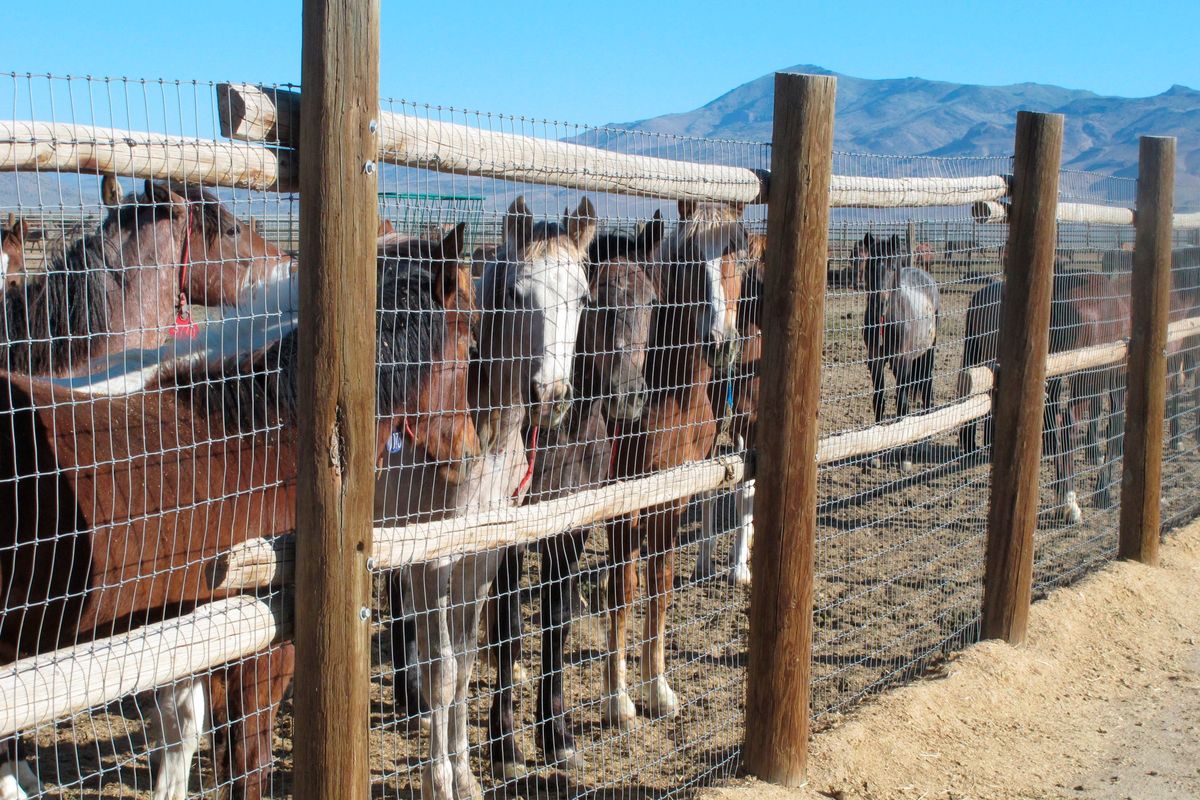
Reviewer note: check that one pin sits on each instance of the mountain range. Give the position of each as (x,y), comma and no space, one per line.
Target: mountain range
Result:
(918,117)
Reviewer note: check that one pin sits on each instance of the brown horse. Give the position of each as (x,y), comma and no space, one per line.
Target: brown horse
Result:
(128,286)
(215,446)
(609,391)
(12,252)
(697,275)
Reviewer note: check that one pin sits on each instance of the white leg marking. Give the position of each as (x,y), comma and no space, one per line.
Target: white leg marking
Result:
(177,724)
(706,554)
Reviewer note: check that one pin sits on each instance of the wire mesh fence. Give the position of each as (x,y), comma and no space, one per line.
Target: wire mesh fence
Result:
(538,349)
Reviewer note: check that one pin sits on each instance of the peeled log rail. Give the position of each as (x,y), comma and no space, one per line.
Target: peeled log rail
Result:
(62,147)
(42,689)
(267,562)
(994,212)
(902,431)
(271,115)
(979,380)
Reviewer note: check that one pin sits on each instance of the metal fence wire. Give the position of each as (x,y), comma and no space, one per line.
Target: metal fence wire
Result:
(567,386)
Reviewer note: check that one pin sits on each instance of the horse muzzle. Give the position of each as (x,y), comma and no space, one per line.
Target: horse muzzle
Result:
(551,404)
(723,355)
(627,401)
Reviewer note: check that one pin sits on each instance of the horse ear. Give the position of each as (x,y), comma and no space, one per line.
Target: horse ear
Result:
(652,233)
(20,229)
(581,226)
(110,190)
(518,224)
(687,208)
(738,207)
(454,242)
(386,227)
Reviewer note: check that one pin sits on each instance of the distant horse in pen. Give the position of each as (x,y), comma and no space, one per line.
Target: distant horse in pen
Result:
(12,252)
(900,325)
(218,441)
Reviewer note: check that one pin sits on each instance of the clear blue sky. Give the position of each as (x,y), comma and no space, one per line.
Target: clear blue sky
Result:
(596,62)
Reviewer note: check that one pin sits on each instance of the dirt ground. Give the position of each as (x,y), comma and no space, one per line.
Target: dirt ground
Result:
(1102,702)
(899,574)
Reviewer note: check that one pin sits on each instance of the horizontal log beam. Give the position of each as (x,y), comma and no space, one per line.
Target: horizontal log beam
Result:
(41,689)
(61,147)
(979,380)
(269,562)
(902,431)
(271,115)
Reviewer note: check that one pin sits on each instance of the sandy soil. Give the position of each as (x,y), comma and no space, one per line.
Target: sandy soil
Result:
(1102,702)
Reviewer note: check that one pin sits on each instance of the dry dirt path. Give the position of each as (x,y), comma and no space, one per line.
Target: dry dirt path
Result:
(1103,702)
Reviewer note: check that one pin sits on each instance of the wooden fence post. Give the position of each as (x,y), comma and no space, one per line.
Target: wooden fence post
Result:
(778,682)
(1024,339)
(336,415)
(1150,299)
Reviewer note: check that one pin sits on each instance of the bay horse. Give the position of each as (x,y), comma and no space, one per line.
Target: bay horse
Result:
(696,273)
(215,444)
(609,392)
(129,285)
(530,301)
(12,252)
(900,324)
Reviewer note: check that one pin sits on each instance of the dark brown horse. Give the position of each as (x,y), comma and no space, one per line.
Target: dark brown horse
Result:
(609,391)
(214,460)
(697,275)
(900,323)
(129,285)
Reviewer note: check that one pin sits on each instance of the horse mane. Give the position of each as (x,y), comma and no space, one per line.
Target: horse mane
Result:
(48,318)
(254,391)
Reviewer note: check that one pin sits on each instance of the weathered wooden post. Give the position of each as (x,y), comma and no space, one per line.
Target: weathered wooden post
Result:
(778,682)
(1141,483)
(336,482)
(1024,340)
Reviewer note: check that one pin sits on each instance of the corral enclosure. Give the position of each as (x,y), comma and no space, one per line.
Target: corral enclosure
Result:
(158,494)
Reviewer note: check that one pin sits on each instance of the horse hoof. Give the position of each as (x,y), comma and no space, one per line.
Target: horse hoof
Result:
(437,783)
(566,758)
(705,570)
(1070,512)
(519,675)
(509,770)
(466,787)
(619,711)
(659,699)
(906,467)
(17,781)
(740,575)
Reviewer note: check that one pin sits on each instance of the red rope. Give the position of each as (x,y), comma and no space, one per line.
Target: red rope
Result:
(185,327)
(532,454)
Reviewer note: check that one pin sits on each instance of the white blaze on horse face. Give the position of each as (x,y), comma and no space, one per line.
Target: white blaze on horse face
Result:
(556,285)
(714,241)
(3,263)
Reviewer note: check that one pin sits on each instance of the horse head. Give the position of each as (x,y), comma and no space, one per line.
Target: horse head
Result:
(615,335)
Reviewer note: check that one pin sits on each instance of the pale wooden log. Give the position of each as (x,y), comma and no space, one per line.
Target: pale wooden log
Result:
(989,212)
(41,689)
(1189,221)
(256,114)
(906,430)
(268,562)
(1095,214)
(61,147)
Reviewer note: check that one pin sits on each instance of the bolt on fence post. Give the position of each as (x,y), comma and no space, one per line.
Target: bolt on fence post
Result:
(1150,301)
(336,399)
(1024,342)
(778,680)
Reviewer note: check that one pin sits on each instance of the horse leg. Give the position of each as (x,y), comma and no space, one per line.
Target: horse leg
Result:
(438,673)
(706,553)
(469,584)
(623,552)
(1057,421)
(739,554)
(253,691)
(176,727)
(405,660)
(1115,445)
(504,642)
(17,780)
(657,697)
(903,367)
(876,367)
(560,566)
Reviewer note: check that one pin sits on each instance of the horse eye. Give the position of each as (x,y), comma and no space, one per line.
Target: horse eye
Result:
(233,230)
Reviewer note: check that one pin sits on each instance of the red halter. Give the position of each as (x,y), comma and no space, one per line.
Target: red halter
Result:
(532,455)
(185,327)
